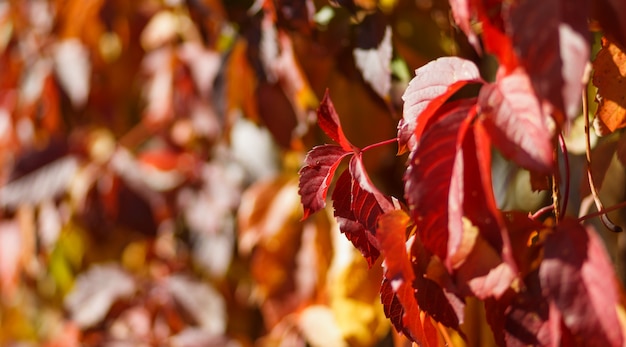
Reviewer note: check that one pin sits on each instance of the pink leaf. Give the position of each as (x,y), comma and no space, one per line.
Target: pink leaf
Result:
(432,85)
(578,277)
(516,123)
(552,44)
(319,167)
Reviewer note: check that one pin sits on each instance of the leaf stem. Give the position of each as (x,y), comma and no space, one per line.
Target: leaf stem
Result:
(541,212)
(567,175)
(379,144)
(594,192)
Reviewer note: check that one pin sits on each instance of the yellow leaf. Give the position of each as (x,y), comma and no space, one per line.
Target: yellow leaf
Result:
(356,304)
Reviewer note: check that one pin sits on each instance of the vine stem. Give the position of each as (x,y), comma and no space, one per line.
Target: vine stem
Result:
(379,144)
(567,175)
(594,192)
(603,212)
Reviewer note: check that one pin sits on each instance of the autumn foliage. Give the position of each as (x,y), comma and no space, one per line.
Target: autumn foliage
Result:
(272,173)
(543,280)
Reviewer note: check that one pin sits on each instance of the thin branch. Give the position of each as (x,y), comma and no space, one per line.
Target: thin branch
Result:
(567,175)
(603,217)
(603,212)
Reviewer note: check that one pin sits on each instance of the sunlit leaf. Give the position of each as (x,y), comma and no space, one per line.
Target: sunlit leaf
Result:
(517,123)
(609,77)
(432,85)
(402,308)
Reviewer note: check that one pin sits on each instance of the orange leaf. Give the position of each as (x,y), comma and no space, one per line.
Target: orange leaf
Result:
(610,78)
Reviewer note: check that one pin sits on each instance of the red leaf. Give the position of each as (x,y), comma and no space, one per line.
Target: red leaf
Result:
(479,202)
(361,238)
(550,39)
(432,85)
(328,120)
(523,319)
(479,247)
(368,203)
(578,277)
(516,122)
(358,204)
(319,167)
(391,235)
(392,307)
(434,289)
(429,175)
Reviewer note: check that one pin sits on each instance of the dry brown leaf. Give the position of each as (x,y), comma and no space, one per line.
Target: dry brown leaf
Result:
(610,78)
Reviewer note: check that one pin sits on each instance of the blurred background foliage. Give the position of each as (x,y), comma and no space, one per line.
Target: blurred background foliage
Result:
(148,167)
